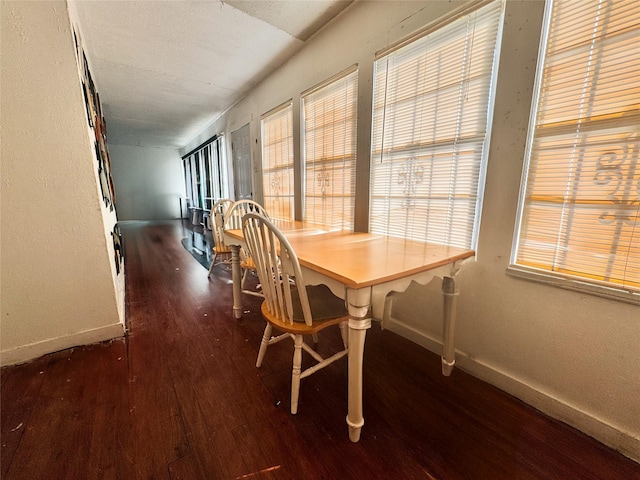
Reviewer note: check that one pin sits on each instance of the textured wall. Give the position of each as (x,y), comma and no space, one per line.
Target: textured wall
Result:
(57,284)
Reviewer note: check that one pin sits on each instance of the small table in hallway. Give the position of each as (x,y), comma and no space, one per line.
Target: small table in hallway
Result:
(363,268)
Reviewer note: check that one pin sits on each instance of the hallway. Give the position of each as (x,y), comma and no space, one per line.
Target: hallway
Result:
(181,398)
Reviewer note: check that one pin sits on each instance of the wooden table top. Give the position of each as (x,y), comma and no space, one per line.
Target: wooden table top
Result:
(363,259)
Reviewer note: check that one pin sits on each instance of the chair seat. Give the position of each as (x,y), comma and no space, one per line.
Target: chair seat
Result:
(323,303)
(326,309)
(221,250)
(247,263)
(300,328)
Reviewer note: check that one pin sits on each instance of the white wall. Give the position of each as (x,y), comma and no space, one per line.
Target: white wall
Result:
(575,356)
(58,285)
(148,182)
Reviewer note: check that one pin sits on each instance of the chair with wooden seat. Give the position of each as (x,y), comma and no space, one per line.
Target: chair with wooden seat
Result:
(221,253)
(233,221)
(290,306)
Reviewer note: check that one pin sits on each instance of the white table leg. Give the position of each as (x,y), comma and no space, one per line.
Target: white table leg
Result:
(359,321)
(236,275)
(449,318)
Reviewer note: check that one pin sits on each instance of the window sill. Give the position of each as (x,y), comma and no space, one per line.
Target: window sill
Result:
(572,283)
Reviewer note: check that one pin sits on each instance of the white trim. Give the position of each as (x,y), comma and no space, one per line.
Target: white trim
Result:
(575,283)
(334,78)
(484,160)
(441,22)
(614,436)
(24,353)
(524,178)
(274,110)
(553,243)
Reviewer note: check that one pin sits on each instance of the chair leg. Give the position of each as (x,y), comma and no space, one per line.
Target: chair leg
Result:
(344,333)
(265,343)
(295,376)
(244,277)
(245,273)
(213,264)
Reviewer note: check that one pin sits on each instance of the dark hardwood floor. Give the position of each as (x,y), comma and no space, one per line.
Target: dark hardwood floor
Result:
(181,398)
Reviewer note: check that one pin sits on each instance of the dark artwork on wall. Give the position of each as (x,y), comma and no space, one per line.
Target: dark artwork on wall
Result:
(89,92)
(86,104)
(103,176)
(118,248)
(96,122)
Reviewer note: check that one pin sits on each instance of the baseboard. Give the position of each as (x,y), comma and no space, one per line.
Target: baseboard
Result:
(24,353)
(612,436)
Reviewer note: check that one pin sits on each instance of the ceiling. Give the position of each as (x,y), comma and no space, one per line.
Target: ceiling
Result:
(166,69)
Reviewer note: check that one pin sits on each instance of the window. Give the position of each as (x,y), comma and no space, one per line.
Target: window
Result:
(579,212)
(433,101)
(205,174)
(217,178)
(188,184)
(329,119)
(277,162)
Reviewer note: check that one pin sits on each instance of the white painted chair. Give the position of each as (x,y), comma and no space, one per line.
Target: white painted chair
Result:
(289,304)
(233,221)
(219,250)
(238,209)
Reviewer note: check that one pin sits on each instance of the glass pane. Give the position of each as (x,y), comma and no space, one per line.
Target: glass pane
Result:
(432,100)
(330,115)
(581,205)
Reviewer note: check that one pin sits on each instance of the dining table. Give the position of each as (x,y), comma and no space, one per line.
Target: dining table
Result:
(362,269)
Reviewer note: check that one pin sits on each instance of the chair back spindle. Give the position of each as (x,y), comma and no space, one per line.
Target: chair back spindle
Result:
(233,219)
(277,267)
(219,249)
(218,213)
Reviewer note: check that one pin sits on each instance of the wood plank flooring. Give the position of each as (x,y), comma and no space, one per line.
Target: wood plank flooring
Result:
(181,398)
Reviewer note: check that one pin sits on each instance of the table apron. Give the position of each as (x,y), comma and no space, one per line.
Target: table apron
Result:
(380,291)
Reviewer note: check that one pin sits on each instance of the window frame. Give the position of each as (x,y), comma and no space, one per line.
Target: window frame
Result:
(577,283)
(205,173)
(352,70)
(480,162)
(288,105)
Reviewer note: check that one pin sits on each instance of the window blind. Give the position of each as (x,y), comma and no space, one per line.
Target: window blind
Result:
(433,99)
(277,162)
(329,119)
(580,205)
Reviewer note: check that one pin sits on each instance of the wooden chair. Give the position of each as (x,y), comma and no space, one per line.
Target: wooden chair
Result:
(233,221)
(238,209)
(219,250)
(289,304)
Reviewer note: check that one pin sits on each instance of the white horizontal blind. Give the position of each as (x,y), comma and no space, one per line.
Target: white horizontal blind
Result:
(330,152)
(277,162)
(432,101)
(580,210)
